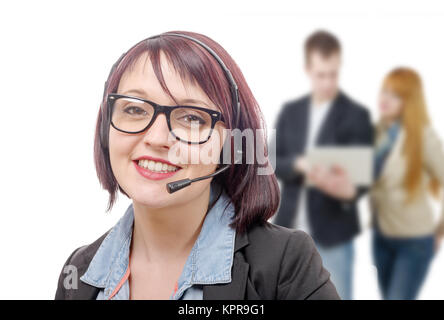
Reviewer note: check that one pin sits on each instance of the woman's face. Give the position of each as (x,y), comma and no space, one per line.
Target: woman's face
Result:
(390,105)
(145,182)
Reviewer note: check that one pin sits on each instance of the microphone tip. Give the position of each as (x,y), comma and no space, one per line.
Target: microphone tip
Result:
(177,185)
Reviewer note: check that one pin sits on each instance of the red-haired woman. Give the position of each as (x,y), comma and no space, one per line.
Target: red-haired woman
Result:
(409,166)
(167,101)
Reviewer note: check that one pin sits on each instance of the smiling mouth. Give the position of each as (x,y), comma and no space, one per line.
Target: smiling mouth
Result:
(156,166)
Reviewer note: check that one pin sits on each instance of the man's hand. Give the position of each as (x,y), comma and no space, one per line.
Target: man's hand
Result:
(300,164)
(333,181)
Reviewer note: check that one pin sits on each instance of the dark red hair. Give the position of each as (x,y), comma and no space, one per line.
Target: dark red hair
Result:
(255,197)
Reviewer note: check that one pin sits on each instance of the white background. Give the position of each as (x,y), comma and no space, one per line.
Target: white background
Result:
(55,57)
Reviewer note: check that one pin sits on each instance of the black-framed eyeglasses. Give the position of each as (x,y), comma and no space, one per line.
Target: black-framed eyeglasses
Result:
(189,124)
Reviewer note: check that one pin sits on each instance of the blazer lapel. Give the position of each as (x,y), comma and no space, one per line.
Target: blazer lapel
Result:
(235,290)
(330,122)
(302,126)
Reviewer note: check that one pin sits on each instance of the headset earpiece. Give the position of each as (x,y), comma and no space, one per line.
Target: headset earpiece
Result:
(105,122)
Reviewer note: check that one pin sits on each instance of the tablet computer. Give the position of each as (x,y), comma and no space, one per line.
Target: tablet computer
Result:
(356,161)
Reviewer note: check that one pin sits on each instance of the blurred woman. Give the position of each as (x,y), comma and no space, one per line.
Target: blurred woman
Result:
(409,166)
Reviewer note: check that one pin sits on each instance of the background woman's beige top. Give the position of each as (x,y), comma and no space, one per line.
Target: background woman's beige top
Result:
(396,217)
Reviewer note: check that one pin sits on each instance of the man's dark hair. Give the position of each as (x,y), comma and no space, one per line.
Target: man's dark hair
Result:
(323,42)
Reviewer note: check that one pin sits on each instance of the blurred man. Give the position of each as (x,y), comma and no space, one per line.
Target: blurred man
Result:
(325,116)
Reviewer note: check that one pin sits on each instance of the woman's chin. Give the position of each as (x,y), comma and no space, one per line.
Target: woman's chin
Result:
(154,197)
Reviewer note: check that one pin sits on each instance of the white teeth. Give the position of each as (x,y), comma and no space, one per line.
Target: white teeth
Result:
(157,166)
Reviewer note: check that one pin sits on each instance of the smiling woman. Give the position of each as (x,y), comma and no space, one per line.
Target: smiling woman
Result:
(212,239)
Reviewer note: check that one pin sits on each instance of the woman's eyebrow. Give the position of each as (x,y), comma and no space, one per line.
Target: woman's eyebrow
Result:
(190,100)
(140,92)
(143,93)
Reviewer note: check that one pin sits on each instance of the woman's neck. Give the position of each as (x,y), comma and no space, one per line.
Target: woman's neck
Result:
(169,233)
(389,122)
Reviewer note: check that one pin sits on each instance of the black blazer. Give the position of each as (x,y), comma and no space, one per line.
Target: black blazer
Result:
(270,262)
(347,123)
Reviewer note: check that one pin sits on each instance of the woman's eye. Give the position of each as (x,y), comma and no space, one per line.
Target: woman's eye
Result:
(193,118)
(134,110)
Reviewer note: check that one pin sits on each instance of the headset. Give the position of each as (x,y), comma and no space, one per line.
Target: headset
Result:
(106,118)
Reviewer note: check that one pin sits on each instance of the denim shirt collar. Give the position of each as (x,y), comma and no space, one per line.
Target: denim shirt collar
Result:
(209,262)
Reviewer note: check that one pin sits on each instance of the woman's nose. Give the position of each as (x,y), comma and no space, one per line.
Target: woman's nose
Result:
(158,134)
